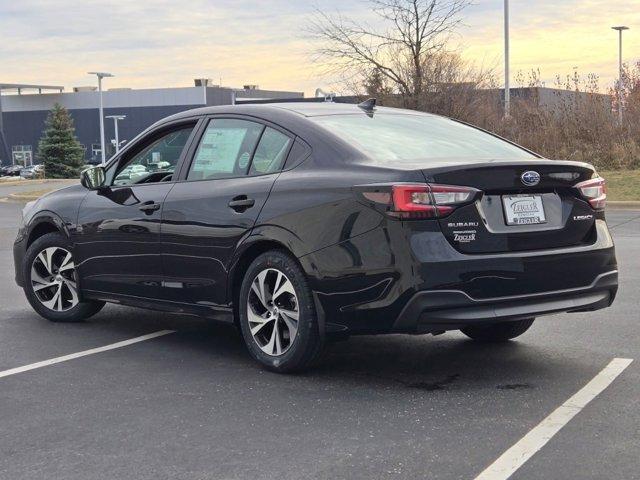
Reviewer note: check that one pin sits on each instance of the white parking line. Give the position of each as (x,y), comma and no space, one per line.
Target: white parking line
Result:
(518,454)
(65,358)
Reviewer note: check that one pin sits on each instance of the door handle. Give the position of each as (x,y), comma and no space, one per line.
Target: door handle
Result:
(149,207)
(241,203)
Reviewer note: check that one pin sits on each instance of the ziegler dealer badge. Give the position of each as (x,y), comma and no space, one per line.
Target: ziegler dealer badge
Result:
(464,236)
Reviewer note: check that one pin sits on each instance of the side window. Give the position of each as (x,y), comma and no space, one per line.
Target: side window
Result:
(156,162)
(271,152)
(225,149)
(299,152)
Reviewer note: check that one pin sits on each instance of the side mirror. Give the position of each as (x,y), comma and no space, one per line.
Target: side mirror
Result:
(93,178)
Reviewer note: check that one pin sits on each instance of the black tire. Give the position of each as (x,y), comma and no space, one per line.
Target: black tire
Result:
(306,345)
(498,332)
(82,310)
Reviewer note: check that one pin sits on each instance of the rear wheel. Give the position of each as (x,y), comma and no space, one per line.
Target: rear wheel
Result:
(498,332)
(51,282)
(277,314)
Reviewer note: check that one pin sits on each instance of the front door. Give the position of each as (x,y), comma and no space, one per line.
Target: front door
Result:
(117,245)
(206,216)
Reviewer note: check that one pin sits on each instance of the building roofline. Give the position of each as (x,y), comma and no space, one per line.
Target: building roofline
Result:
(29,86)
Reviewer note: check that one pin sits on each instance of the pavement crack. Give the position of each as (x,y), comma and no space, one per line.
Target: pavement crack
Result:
(437,385)
(515,386)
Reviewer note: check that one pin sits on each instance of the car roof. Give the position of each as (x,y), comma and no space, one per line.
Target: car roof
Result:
(305,109)
(292,116)
(314,109)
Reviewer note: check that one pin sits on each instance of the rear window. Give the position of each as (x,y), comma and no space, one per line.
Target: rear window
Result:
(397,138)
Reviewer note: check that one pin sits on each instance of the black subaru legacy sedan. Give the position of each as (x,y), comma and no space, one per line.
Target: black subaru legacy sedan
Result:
(302,221)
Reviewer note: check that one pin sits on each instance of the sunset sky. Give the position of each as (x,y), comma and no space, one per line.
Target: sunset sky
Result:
(158,43)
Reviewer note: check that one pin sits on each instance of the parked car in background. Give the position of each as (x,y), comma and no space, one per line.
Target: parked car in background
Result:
(32,171)
(159,167)
(12,170)
(131,173)
(27,172)
(301,221)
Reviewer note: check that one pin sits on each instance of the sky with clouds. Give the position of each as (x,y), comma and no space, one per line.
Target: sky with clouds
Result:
(157,43)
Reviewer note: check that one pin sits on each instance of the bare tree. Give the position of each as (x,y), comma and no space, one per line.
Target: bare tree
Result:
(415,31)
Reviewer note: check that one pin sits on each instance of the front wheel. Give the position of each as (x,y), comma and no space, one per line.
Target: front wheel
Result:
(498,332)
(277,314)
(51,282)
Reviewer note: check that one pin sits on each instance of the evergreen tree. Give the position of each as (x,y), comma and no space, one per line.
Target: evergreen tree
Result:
(59,149)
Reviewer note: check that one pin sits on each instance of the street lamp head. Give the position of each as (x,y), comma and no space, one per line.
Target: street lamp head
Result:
(117,117)
(620,28)
(101,74)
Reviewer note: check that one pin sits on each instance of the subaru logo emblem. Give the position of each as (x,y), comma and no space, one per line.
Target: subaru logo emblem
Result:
(530,178)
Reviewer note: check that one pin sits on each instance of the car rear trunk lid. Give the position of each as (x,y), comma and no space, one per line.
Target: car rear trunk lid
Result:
(526,205)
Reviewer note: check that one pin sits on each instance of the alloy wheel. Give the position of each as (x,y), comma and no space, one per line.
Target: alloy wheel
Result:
(273,312)
(53,279)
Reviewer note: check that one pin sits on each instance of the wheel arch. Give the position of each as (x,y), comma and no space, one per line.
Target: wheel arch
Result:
(240,265)
(44,224)
(250,249)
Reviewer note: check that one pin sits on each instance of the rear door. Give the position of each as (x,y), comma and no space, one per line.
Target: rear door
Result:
(216,203)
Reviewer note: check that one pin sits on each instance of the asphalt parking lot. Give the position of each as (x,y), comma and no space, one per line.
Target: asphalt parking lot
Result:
(192,405)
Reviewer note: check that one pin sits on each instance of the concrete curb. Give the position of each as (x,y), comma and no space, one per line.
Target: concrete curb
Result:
(26,196)
(16,197)
(17,183)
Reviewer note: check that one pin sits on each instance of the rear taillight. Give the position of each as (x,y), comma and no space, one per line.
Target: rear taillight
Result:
(415,201)
(595,192)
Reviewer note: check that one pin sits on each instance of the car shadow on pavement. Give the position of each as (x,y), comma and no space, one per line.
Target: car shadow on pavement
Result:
(416,363)
(432,364)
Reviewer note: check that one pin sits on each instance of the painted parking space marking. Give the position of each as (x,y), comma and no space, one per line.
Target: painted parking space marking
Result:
(516,456)
(84,353)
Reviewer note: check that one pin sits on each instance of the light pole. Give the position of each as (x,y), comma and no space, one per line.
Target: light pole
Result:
(507,87)
(117,118)
(100,76)
(620,29)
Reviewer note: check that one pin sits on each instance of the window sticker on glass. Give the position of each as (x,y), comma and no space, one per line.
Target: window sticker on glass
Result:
(243,162)
(225,149)
(219,150)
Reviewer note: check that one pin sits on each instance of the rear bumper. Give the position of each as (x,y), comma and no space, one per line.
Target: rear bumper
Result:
(441,310)
(408,278)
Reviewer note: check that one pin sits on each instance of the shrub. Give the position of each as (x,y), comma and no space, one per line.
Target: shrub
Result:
(572,121)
